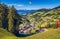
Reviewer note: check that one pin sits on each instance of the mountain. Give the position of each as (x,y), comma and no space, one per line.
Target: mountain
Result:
(43,10)
(50,16)
(25,11)
(56,7)
(32,11)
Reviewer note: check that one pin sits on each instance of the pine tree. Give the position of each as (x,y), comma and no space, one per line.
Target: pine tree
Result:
(5,14)
(1,14)
(10,19)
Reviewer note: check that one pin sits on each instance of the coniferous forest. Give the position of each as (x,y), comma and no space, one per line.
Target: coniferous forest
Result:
(9,18)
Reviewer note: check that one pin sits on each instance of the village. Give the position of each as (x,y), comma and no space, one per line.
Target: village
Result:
(33,28)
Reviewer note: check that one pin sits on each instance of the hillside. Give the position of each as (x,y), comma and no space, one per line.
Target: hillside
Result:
(6,35)
(45,18)
(50,34)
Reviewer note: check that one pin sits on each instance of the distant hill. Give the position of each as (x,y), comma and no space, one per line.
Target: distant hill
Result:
(33,11)
(25,11)
(43,16)
(56,7)
(43,10)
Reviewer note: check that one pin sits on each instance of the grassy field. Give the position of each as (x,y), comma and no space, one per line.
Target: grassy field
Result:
(6,35)
(50,34)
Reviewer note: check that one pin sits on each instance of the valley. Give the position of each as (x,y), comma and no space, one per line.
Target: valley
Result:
(39,24)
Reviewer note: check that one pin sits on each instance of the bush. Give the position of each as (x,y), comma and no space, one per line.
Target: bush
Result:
(33,31)
(53,26)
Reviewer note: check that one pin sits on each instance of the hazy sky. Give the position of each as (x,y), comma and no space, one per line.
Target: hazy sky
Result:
(32,4)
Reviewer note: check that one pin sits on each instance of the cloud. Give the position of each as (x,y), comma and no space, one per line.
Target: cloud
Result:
(18,5)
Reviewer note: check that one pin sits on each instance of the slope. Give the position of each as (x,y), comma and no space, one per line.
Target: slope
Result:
(6,35)
(51,34)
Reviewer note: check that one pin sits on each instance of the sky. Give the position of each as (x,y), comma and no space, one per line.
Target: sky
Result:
(32,4)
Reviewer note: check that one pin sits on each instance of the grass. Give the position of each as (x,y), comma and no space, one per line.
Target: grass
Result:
(6,35)
(50,34)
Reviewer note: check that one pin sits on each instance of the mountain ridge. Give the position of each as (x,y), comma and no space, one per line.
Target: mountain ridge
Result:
(39,10)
